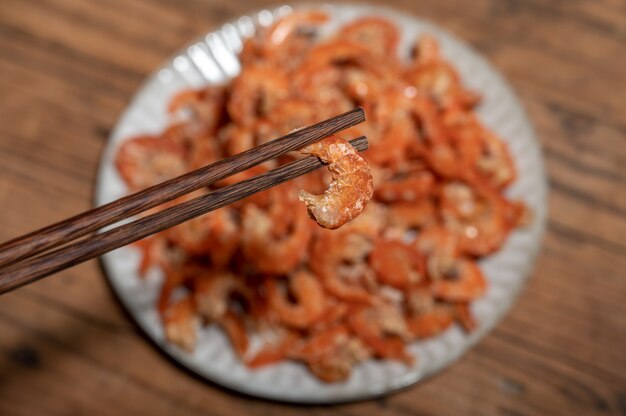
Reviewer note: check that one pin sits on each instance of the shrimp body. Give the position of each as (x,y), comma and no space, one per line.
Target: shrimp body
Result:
(411,188)
(479,216)
(323,60)
(214,293)
(181,324)
(437,78)
(339,262)
(235,329)
(495,161)
(379,35)
(310,302)
(276,254)
(331,353)
(203,107)
(285,43)
(465,283)
(412,215)
(274,352)
(153,253)
(214,234)
(351,186)
(464,316)
(430,323)
(425,317)
(146,161)
(219,297)
(256,92)
(338,365)
(381,331)
(391,150)
(397,264)
(440,246)
(279,33)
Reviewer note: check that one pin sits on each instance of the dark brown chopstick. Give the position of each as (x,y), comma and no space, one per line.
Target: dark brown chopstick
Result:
(90,221)
(30,270)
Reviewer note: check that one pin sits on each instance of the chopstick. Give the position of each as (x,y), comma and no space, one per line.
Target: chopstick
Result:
(30,270)
(87,222)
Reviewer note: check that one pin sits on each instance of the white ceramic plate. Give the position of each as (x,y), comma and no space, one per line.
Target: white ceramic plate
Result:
(213,59)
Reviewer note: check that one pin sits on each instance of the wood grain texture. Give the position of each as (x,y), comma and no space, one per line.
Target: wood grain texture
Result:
(31,269)
(82,224)
(68,68)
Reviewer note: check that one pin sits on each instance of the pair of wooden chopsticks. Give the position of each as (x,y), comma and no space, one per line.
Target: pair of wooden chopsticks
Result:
(29,258)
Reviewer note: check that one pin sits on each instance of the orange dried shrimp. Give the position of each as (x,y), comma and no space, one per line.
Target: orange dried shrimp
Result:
(283,288)
(350,188)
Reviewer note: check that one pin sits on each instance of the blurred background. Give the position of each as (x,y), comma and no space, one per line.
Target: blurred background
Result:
(69,67)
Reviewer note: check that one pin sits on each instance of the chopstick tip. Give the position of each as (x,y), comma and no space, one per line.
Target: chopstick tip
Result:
(362,111)
(360,143)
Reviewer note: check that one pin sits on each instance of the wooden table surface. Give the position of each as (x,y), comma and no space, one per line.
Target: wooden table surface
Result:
(69,67)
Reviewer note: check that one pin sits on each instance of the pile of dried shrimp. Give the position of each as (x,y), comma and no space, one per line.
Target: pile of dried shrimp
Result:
(282,287)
